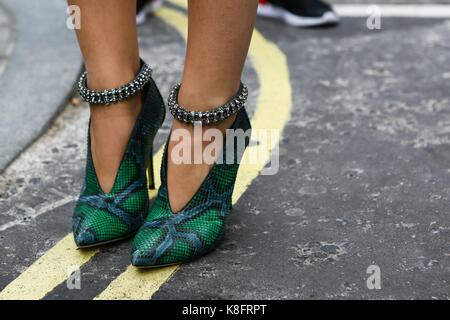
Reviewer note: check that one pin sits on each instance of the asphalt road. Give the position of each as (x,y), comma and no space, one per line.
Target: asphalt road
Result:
(364,179)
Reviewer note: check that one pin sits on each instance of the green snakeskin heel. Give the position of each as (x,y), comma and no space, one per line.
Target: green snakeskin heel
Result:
(101,218)
(167,238)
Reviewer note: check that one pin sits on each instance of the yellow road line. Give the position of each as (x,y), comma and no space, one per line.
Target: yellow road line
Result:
(48,271)
(55,265)
(179,3)
(137,284)
(273,111)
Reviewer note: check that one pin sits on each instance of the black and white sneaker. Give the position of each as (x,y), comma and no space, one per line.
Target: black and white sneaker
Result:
(299,13)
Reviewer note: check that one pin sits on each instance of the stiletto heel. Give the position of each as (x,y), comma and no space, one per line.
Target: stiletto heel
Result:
(167,237)
(101,218)
(150,171)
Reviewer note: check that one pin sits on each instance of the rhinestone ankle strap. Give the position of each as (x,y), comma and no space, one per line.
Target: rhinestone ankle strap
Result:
(207,117)
(107,97)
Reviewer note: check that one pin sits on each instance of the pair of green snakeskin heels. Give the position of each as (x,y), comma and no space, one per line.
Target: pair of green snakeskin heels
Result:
(162,237)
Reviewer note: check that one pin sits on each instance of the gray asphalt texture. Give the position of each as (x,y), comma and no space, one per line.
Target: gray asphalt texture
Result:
(364,175)
(40,62)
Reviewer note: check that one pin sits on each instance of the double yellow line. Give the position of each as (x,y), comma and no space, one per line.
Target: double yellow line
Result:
(272,112)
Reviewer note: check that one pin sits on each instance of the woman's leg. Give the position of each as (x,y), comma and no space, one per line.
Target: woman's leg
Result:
(108,41)
(218,40)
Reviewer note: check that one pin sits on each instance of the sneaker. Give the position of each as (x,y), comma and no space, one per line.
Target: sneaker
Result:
(145,7)
(299,13)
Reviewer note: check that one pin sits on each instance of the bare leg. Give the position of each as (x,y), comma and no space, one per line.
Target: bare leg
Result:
(218,40)
(108,41)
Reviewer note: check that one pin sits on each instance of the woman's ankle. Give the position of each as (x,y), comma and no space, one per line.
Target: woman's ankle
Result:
(106,75)
(205,96)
